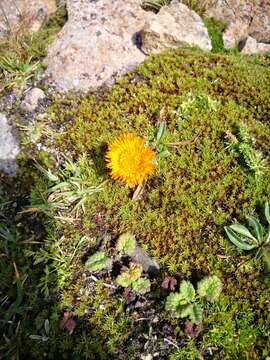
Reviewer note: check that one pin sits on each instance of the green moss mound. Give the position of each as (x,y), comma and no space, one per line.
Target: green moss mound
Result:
(206,100)
(197,190)
(201,186)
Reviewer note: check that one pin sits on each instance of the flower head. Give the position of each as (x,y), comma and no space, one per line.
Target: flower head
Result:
(130,160)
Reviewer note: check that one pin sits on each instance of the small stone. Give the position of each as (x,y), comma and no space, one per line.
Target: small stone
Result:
(147,357)
(253,47)
(236,32)
(174,26)
(9,147)
(140,256)
(32,98)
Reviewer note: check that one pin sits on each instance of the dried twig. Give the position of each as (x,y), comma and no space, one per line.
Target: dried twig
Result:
(171,343)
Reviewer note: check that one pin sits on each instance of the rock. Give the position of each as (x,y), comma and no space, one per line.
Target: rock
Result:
(140,256)
(32,98)
(229,11)
(24,14)
(253,47)
(174,26)
(235,33)
(9,147)
(260,24)
(253,15)
(98,40)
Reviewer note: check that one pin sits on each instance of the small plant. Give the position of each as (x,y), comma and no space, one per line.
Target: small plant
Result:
(196,101)
(161,148)
(243,145)
(16,73)
(69,187)
(132,277)
(188,303)
(258,238)
(97,261)
(126,243)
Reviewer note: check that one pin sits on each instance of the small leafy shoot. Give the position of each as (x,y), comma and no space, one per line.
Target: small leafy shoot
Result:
(126,243)
(141,286)
(210,287)
(127,277)
(97,261)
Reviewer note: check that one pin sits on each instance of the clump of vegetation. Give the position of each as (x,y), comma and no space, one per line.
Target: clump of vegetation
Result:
(69,188)
(179,218)
(186,303)
(215,29)
(258,239)
(132,276)
(245,147)
(201,186)
(21,54)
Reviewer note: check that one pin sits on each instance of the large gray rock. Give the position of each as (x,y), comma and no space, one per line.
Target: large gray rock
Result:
(260,24)
(9,147)
(29,15)
(175,25)
(244,18)
(98,40)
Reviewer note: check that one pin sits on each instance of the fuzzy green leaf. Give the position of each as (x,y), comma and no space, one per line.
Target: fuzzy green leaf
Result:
(240,229)
(267,212)
(127,277)
(126,243)
(193,311)
(210,287)
(97,261)
(174,302)
(237,240)
(141,285)
(187,291)
(124,280)
(258,228)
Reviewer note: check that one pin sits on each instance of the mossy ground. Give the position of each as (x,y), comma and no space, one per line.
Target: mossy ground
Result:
(196,190)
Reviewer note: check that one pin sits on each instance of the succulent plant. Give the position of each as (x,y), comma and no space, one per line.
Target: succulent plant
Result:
(258,238)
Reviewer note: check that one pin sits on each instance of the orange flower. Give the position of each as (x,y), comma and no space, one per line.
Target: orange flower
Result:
(130,160)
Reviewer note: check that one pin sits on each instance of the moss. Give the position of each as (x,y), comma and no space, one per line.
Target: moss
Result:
(195,191)
(201,186)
